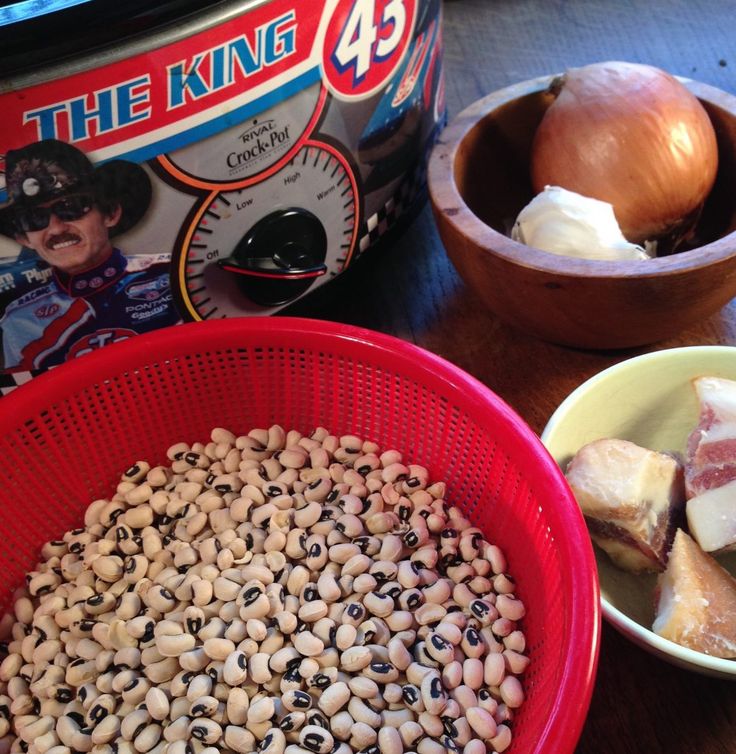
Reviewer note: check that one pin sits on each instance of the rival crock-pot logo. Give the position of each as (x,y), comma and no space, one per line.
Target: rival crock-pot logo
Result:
(258,141)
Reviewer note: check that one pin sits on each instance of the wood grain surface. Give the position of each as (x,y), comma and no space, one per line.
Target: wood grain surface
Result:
(409,288)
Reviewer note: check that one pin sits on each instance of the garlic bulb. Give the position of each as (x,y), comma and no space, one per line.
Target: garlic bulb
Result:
(564,222)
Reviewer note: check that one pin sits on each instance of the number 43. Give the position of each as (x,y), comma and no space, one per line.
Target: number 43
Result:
(363,41)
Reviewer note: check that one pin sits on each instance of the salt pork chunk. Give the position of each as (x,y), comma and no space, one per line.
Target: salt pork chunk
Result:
(696,601)
(711,518)
(711,446)
(632,499)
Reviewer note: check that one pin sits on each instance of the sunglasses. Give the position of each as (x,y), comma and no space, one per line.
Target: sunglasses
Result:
(69,208)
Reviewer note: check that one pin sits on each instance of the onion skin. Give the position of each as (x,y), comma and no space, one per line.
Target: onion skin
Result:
(634,136)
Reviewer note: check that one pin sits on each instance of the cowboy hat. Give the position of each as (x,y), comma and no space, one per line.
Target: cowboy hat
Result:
(46,170)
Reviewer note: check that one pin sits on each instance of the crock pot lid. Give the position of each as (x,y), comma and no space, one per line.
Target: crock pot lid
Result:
(36,33)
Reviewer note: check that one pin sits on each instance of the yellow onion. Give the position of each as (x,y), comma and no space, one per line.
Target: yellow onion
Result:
(631,135)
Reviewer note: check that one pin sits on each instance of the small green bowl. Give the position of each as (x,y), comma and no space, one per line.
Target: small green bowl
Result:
(648,400)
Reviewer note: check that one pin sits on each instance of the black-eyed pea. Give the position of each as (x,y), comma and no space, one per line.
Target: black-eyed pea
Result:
(258,668)
(106,730)
(380,605)
(502,740)
(483,611)
(261,710)
(159,598)
(431,746)
(292,721)
(464,696)
(502,627)
(472,643)
(473,673)
(239,739)
(510,607)
(429,613)
(394,718)
(204,706)
(381,672)
(217,648)
(80,672)
(235,670)
(175,645)
(287,622)
(328,587)
(43,583)
(515,641)
(157,703)
(516,662)
(503,713)
(495,556)
(411,733)
(148,738)
(481,721)
(178,745)
(315,738)
(480,585)
(364,584)
(135,691)
(452,675)
(307,644)
(433,693)
(439,648)
(431,724)
(363,735)
(46,651)
(356,565)
(255,603)
(511,691)
(313,611)
(205,730)
(133,723)
(488,701)
(177,730)
(362,687)
(37,728)
(122,679)
(308,667)
(392,693)
(162,671)
(425,557)
(202,592)
(350,525)
(334,698)
(345,636)
(355,659)
(237,705)
(362,713)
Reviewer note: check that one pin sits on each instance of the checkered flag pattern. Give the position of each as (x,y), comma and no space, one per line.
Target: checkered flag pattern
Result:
(382,221)
(11,380)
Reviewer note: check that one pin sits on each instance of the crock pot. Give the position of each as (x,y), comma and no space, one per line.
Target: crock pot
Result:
(281,140)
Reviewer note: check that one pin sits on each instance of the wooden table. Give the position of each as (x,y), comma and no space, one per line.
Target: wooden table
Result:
(409,289)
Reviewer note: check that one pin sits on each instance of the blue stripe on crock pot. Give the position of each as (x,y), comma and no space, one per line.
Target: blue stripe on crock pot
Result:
(33,8)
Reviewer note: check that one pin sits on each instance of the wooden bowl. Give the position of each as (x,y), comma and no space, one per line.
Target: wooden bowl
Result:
(479,182)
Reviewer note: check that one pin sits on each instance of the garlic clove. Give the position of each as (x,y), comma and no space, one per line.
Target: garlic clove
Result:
(566,223)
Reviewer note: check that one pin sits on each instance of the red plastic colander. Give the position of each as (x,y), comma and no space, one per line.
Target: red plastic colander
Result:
(68,435)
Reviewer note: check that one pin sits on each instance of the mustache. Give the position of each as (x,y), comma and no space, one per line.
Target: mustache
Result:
(60,238)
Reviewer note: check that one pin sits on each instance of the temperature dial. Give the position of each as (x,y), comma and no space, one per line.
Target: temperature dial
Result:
(253,250)
(280,256)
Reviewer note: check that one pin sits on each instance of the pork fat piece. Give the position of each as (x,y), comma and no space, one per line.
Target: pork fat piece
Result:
(632,499)
(710,470)
(711,446)
(696,601)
